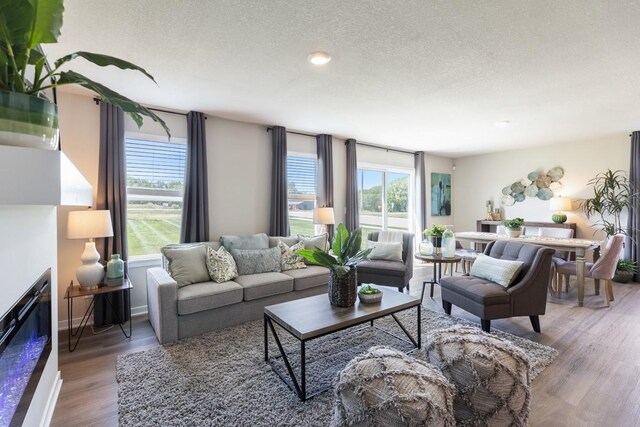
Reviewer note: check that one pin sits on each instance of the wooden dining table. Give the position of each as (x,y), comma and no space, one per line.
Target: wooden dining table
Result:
(579,246)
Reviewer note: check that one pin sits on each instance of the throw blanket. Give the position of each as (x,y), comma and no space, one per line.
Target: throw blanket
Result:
(390,237)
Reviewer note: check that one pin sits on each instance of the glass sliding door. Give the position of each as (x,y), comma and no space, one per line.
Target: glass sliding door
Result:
(397,206)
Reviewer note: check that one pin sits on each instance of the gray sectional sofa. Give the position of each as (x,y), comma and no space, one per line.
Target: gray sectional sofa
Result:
(179,312)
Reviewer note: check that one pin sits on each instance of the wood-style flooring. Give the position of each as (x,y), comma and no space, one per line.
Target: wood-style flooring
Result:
(595,381)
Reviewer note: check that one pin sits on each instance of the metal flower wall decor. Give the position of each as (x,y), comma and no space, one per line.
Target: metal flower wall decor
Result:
(537,184)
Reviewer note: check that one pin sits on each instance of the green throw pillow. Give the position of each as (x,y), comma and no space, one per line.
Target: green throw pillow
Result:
(221,265)
(254,261)
(187,265)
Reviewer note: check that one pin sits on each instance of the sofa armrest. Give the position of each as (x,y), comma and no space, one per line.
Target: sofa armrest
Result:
(162,303)
(409,261)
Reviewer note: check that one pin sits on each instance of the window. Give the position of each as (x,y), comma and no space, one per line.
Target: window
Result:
(301,176)
(155,186)
(384,200)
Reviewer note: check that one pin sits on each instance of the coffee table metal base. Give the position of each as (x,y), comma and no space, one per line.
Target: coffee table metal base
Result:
(300,386)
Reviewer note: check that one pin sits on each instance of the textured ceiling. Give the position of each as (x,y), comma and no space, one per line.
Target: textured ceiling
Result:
(431,76)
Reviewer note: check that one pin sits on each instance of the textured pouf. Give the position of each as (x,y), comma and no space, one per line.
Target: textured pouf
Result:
(491,376)
(384,387)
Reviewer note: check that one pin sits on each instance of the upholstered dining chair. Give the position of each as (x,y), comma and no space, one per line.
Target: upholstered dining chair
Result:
(603,269)
(558,256)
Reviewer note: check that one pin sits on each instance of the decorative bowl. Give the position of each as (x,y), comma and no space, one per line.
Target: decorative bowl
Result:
(370,298)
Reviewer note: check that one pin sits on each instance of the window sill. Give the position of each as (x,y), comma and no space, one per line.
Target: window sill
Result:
(145,261)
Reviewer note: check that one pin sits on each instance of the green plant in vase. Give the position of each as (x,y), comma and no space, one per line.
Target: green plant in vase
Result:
(369,294)
(514,226)
(625,270)
(29,117)
(435,232)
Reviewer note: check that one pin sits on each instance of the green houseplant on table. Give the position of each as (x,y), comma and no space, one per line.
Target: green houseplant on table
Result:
(341,261)
(435,233)
(514,226)
(27,116)
(369,294)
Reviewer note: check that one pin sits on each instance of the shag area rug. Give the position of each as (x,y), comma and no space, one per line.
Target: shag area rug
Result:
(220,378)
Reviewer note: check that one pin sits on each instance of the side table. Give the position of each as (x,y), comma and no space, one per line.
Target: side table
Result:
(76,292)
(437,261)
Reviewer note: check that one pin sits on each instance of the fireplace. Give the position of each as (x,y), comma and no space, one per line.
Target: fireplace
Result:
(25,345)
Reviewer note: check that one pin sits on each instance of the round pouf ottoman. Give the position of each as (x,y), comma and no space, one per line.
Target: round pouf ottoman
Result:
(490,374)
(384,387)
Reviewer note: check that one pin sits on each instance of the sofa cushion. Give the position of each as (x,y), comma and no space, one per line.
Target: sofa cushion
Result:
(387,268)
(255,261)
(480,290)
(255,241)
(221,265)
(207,295)
(289,259)
(289,241)
(256,286)
(385,251)
(500,271)
(312,242)
(187,265)
(310,277)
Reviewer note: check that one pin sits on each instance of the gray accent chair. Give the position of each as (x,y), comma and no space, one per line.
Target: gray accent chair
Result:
(389,273)
(526,296)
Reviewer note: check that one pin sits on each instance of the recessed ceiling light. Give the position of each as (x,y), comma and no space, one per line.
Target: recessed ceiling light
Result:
(502,123)
(319,58)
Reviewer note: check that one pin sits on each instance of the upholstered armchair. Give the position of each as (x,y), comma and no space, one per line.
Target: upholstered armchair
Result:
(526,296)
(389,273)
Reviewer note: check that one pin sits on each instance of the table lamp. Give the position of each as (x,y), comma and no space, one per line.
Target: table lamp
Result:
(89,225)
(558,205)
(324,217)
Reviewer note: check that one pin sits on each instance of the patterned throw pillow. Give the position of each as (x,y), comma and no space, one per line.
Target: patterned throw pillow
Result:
(221,265)
(290,260)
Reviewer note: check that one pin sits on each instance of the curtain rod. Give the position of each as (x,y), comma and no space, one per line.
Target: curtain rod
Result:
(359,143)
(98,100)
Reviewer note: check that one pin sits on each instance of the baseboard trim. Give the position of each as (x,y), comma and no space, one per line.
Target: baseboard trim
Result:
(51,402)
(63,325)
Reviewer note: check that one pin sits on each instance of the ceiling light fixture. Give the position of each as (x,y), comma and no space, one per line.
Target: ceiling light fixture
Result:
(502,123)
(319,58)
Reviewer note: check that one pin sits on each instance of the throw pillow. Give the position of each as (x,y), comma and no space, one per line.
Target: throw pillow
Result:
(289,241)
(255,241)
(187,265)
(221,265)
(254,261)
(290,260)
(500,271)
(385,251)
(312,242)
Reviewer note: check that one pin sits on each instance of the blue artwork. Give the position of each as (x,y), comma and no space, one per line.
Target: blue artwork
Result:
(440,194)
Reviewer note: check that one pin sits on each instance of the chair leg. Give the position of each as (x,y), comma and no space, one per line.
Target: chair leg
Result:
(464,267)
(486,325)
(566,282)
(535,322)
(447,307)
(609,285)
(596,283)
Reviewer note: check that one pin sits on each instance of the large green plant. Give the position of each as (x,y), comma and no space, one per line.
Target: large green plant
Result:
(24,26)
(612,195)
(345,249)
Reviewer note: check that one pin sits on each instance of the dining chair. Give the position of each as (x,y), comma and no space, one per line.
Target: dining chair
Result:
(558,256)
(603,269)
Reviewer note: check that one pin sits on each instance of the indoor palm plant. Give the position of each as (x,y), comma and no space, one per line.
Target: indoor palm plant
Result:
(341,261)
(27,116)
(612,196)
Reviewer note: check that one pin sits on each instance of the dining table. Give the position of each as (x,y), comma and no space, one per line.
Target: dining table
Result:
(578,246)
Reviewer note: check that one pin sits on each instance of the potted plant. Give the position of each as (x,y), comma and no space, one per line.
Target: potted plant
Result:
(29,117)
(369,294)
(625,270)
(514,226)
(612,196)
(341,261)
(435,233)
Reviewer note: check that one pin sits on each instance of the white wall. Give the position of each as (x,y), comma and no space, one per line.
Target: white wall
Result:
(480,178)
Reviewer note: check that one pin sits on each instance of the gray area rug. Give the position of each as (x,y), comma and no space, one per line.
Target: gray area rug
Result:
(220,378)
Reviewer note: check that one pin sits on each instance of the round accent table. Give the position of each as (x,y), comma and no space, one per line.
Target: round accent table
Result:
(437,261)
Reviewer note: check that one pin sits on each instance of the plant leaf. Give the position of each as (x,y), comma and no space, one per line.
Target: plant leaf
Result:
(341,270)
(324,258)
(359,257)
(135,110)
(46,23)
(339,241)
(353,243)
(103,61)
(16,17)
(306,254)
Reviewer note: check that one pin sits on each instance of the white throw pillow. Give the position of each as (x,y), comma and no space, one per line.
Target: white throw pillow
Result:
(385,251)
(500,271)
(221,265)
(290,260)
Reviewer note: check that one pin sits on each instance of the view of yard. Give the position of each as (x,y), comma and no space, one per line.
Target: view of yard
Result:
(150,227)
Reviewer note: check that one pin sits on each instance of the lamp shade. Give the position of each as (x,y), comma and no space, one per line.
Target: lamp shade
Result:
(323,216)
(560,204)
(89,224)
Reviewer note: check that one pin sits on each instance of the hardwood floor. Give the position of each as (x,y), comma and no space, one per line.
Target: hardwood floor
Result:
(595,381)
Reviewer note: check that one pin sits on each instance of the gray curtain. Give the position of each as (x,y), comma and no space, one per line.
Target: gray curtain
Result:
(421,192)
(195,211)
(324,180)
(352,220)
(112,196)
(279,222)
(632,246)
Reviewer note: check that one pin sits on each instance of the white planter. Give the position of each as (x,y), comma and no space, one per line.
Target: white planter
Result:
(514,232)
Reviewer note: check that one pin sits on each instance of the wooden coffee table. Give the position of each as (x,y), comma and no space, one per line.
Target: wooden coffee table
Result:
(310,318)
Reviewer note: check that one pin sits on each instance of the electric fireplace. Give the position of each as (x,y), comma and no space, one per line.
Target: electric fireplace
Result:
(25,345)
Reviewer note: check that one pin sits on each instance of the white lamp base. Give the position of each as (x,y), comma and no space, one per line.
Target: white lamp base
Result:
(91,272)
